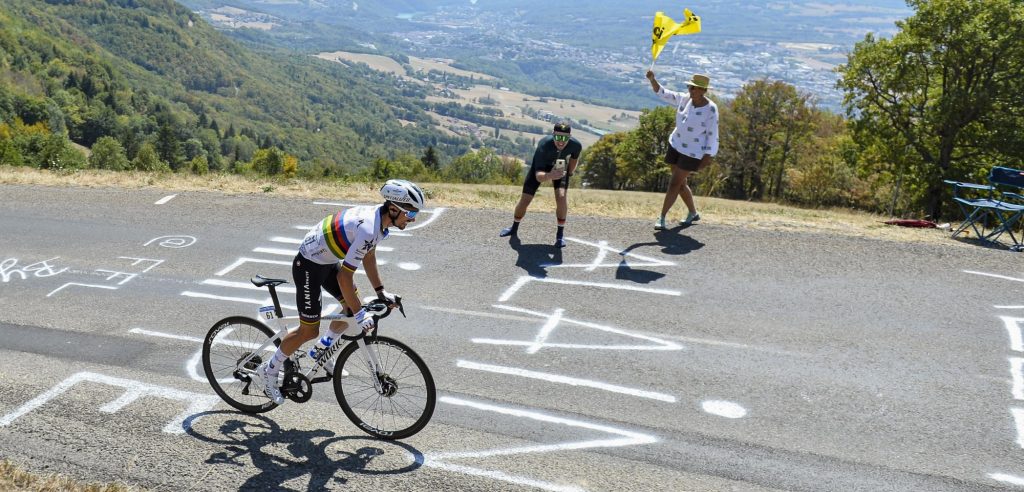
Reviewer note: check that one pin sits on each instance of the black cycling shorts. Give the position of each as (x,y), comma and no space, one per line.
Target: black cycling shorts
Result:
(531,184)
(310,278)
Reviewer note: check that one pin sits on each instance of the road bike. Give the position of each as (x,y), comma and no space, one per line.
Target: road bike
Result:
(387,390)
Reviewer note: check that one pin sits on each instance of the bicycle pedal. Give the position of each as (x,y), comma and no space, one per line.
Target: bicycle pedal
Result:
(321,379)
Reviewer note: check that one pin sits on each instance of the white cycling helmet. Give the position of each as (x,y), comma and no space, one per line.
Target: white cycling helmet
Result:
(402,191)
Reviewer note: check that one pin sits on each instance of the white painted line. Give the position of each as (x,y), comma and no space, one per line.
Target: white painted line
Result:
(477,313)
(1010,479)
(439,460)
(526,278)
(725,409)
(275,251)
(1018,420)
(241,261)
(92,286)
(545,331)
(203,295)
(140,260)
(663,345)
(286,240)
(133,390)
(337,204)
(555,378)
(281,289)
(164,200)
(994,276)
(1017,374)
(140,331)
(1008,307)
(1013,328)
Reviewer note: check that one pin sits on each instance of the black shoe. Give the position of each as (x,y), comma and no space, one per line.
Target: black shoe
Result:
(559,242)
(506,232)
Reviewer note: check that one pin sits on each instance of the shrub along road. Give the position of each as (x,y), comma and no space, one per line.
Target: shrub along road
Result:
(706,358)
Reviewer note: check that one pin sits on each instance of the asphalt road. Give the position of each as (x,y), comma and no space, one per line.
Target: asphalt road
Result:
(704,358)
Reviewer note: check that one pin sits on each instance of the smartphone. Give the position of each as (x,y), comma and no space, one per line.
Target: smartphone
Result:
(559,165)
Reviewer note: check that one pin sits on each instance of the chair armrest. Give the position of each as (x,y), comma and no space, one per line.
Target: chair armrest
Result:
(973,186)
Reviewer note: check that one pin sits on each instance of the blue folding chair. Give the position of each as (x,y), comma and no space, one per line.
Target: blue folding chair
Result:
(992,201)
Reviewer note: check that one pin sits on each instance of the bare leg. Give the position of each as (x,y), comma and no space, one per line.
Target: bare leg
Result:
(675,187)
(561,206)
(686,194)
(524,203)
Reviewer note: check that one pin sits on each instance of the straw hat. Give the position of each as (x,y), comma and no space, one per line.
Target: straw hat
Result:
(700,80)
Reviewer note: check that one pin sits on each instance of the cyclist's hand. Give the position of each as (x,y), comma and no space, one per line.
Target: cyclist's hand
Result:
(365,321)
(387,297)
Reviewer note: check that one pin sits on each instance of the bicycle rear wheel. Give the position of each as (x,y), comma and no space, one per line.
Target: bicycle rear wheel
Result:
(404,404)
(227,343)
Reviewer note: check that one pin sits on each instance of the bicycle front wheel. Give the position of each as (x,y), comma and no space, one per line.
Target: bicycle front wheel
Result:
(229,342)
(395,403)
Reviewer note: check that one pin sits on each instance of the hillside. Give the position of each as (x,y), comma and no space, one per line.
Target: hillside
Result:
(153,72)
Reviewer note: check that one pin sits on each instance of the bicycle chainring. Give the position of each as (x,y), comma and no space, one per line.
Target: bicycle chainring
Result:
(297,387)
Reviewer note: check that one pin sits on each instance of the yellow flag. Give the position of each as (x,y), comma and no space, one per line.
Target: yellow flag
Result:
(665,27)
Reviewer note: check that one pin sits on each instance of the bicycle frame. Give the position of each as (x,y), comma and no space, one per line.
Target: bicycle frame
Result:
(273,313)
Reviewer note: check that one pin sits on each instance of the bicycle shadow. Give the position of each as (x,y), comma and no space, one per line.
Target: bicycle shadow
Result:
(535,258)
(306,452)
(671,243)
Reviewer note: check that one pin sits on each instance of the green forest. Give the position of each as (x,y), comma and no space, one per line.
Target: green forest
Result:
(147,84)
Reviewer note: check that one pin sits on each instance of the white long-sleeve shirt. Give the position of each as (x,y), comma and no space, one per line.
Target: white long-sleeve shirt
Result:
(696,131)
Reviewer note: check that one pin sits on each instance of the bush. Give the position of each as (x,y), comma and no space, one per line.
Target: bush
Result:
(107,153)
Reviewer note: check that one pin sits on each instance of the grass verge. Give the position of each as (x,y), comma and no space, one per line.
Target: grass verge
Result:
(16,479)
(601,203)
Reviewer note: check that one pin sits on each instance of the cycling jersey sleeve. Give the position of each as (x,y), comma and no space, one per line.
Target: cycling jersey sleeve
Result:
(363,243)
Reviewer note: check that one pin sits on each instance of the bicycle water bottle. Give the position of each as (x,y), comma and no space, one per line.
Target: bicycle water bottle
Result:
(321,345)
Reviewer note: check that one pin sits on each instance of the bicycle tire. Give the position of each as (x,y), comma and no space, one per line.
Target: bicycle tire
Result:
(357,388)
(220,364)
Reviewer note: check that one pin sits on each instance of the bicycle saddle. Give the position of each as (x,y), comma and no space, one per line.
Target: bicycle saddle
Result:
(260,281)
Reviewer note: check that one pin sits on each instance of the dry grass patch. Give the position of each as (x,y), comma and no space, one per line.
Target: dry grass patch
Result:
(15,478)
(602,203)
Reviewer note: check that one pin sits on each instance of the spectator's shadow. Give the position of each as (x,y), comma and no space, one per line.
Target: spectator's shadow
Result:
(671,243)
(535,258)
(281,456)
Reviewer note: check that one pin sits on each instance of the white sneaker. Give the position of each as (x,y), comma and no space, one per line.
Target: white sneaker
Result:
(269,383)
(329,367)
(690,218)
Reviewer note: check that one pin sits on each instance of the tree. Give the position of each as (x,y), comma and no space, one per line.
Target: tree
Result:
(946,87)
(767,120)
(107,153)
(430,159)
(147,160)
(601,162)
(642,152)
(167,146)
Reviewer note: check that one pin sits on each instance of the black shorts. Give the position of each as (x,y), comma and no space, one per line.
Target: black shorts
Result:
(682,161)
(310,278)
(531,184)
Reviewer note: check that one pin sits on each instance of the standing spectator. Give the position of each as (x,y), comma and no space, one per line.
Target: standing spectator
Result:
(559,146)
(693,143)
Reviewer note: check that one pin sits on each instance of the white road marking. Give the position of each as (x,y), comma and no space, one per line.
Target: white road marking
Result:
(275,251)
(133,390)
(246,300)
(1013,329)
(241,261)
(555,378)
(1017,373)
(164,200)
(93,286)
(994,276)
(545,331)
(286,240)
(440,460)
(1003,477)
(725,409)
(603,250)
(523,280)
(1018,420)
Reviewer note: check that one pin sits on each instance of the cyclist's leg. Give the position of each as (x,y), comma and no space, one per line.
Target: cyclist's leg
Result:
(330,284)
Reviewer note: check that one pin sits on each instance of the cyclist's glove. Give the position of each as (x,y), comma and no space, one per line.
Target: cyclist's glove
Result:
(365,321)
(386,296)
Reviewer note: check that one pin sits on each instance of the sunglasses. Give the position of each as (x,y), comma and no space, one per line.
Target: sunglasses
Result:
(409,214)
(561,138)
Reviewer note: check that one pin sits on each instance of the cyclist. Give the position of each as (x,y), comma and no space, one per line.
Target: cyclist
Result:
(328,258)
(557,146)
